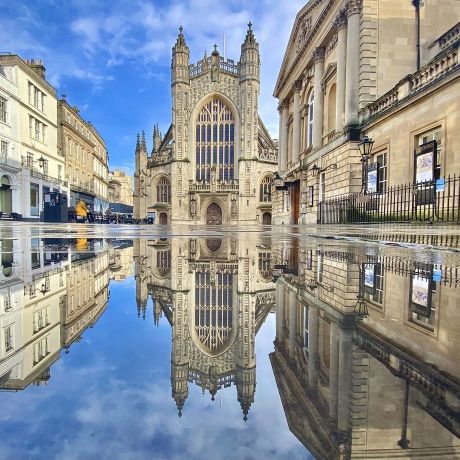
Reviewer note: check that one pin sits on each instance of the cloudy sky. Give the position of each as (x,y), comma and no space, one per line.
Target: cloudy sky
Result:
(112,59)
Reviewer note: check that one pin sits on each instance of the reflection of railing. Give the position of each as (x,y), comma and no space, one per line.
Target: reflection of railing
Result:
(423,201)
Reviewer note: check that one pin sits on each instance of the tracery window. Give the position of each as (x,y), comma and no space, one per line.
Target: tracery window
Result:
(265,265)
(215,147)
(265,190)
(213,308)
(164,262)
(164,190)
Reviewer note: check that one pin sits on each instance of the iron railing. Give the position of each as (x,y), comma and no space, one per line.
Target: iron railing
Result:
(429,201)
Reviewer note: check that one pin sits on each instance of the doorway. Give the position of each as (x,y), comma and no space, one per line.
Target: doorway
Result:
(295,202)
(266,218)
(214,214)
(163,218)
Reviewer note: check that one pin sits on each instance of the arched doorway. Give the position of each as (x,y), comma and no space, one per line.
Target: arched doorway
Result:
(267,218)
(214,214)
(163,218)
(6,197)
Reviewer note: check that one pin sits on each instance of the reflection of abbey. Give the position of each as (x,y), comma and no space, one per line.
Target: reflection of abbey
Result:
(385,387)
(215,163)
(49,295)
(215,294)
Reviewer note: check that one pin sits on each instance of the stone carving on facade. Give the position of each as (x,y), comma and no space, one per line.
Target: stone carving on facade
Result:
(353,7)
(340,20)
(304,31)
(319,54)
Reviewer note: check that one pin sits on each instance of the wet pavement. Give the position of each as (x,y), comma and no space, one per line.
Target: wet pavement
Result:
(125,341)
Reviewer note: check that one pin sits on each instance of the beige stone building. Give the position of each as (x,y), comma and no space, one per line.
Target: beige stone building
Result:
(120,188)
(30,163)
(86,158)
(215,293)
(215,163)
(383,387)
(385,69)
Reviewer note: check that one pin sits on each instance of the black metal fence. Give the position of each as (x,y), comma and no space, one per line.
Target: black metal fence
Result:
(423,202)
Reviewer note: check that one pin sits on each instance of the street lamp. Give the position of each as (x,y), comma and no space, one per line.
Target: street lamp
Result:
(313,284)
(41,162)
(365,149)
(316,170)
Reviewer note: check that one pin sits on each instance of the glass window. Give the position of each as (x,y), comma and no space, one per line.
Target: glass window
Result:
(310,119)
(164,190)
(433,135)
(34,199)
(8,339)
(266,190)
(3,110)
(215,142)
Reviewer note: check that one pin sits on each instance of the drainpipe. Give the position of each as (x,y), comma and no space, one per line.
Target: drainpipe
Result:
(416,5)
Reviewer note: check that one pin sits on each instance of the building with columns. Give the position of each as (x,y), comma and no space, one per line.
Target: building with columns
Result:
(30,163)
(215,293)
(215,163)
(385,386)
(364,67)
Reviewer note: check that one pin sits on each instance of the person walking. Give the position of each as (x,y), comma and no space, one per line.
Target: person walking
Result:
(82,211)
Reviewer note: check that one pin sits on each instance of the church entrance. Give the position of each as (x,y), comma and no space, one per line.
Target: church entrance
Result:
(163,218)
(214,214)
(266,218)
(6,197)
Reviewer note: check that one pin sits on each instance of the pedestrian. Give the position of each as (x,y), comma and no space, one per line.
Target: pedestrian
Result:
(81,211)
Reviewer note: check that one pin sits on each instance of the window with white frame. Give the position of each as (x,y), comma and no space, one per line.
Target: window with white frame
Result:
(3,109)
(7,304)
(37,129)
(3,150)
(8,338)
(41,349)
(36,97)
(41,319)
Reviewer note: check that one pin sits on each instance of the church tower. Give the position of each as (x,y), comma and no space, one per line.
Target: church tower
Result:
(140,179)
(216,162)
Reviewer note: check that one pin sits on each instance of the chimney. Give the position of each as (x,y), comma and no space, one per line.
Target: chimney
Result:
(37,66)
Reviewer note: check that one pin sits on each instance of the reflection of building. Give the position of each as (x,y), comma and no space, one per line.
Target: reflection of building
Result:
(120,192)
(215,294)
(30,164)
(353,68)
(121,260)
(86,158)
(215,163)
(47,299)
(384,388)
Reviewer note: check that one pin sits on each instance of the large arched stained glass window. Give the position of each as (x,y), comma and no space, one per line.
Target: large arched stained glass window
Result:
(215,147)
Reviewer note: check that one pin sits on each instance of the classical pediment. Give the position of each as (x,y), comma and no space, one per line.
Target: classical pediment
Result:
(302,33)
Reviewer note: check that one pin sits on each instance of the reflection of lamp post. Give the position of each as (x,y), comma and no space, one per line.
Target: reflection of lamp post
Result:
(313,284)
(365,149)
(404,442)
(361,310)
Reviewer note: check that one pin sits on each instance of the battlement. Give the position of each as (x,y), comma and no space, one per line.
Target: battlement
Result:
(204,65)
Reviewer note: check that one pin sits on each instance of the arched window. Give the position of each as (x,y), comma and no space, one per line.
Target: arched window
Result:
(164,191)
(265,190)
(265,265)
(164,262)
(213,308)
(215,148)
(310,119)
(331,105)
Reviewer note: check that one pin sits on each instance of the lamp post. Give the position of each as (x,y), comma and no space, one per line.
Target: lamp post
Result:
(316,170)
(365,149)
(361,311)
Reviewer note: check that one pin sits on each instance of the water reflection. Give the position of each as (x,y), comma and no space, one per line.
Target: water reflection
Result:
(366,353)
(363,365)
(215,294)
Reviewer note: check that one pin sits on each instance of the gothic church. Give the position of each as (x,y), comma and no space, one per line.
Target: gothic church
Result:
(215,164)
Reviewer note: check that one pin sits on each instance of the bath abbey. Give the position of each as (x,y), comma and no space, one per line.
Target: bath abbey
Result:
(215,164)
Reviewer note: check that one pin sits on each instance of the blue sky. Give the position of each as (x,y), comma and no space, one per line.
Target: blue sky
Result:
(112,59)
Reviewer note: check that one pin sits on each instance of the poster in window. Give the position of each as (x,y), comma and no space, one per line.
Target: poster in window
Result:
(369,274)
(310,195)
(425,161)
(420,295)
(372,178)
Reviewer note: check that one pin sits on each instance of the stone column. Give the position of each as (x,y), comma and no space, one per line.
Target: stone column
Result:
(280,139)
(352,69)
(318,104)
(345,363)
(284,138)
(341,25)
(296,122)
(313,335)
(334,370)
(292,322)
(280,311)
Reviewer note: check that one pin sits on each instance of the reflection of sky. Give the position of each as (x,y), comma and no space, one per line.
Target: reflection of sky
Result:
(110,397)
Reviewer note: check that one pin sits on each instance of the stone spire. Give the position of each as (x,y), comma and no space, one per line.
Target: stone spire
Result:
(138,144)
(250,58)
(180,60)
(156,138)
(215,64)
(143,143)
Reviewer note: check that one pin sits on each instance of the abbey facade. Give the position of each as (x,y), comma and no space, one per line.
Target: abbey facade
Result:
(215,163)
